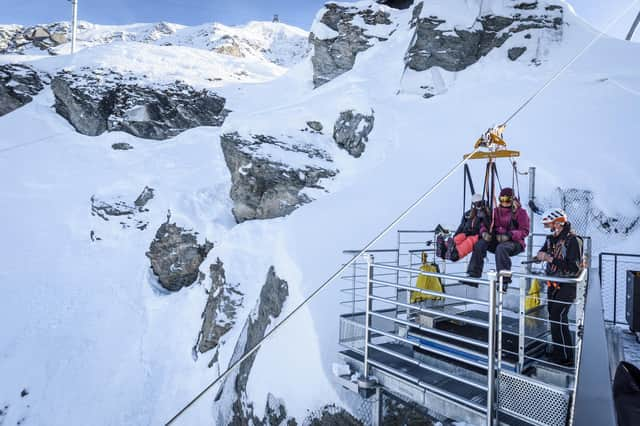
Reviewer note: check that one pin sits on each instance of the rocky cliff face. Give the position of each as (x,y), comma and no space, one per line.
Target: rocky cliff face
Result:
(231,406)
(176,256)
(18,38)
(452,47)
(99,100)
(219,314)
(342,33)
(351,131)
(18,84)
(264,187)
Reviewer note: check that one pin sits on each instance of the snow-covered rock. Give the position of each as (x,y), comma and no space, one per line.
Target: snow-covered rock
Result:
(578,133)
(264,186)
(176,256)
(273,42)
(97,100)
(220,312)
(18,84)
(33,39)
(451,36)
(341,33)
(351,131)
(231,405)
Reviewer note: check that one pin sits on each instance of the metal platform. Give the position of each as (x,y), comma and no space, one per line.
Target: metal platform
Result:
(439,355)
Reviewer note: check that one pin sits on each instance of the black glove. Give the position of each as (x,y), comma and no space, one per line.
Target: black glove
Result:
(503,238)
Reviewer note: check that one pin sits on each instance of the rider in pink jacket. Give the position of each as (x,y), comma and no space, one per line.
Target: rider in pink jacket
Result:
(504,237)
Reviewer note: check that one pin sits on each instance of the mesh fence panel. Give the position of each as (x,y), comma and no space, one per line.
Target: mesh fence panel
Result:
(613,279)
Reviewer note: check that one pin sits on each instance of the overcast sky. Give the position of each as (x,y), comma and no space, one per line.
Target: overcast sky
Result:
(233,12)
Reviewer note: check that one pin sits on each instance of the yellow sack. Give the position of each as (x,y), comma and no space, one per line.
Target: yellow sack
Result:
(533,297)
(427,283)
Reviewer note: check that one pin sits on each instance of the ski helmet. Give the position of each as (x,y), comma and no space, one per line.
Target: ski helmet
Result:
(554,215)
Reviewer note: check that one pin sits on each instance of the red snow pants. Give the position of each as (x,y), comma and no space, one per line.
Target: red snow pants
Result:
(465,244)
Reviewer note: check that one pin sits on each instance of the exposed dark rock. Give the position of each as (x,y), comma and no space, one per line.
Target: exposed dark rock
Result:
(18,84)
(335,56)
(396,4)
(400,413)
(331,415)
(176,256)
(515,52)
(126,213)
(219,314)
(16,39)
(315,125)
(104,209)
(24,393)
(264,188)
(526,5)
(351,131)
(276,413)
(455,50)
(95,101)
(232,393)
(123,146)
(145,196)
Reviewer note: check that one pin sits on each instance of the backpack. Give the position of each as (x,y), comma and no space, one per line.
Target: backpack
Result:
(427,283)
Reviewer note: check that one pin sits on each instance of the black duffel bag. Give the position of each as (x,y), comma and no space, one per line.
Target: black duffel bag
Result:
(626,394)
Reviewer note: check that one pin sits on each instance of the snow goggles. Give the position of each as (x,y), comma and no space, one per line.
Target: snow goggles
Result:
(478,204)
(506,199)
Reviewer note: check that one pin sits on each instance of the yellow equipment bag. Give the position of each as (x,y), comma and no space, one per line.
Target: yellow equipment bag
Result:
(427,283)
(533,297)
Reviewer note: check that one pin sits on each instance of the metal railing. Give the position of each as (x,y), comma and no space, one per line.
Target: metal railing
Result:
(612,270)
(386,318)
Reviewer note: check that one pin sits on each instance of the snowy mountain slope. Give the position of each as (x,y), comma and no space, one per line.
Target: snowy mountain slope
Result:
(274,42)
(89,315)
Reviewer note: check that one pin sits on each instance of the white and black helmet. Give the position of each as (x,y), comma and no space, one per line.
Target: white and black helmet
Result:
(554,215)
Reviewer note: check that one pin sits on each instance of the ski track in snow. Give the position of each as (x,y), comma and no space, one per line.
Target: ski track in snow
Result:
(95,343)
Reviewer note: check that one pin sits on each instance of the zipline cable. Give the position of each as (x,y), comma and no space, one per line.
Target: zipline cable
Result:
(389,227)
(33,142)
(568,64)
(326,283)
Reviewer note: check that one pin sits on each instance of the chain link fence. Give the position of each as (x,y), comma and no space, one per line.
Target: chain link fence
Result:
(613,269)
(587,219)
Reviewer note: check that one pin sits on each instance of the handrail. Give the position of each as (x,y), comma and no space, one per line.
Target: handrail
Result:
(431,311)
(429,292)
(371,251)
(431,274)
(381,336)
(581,277)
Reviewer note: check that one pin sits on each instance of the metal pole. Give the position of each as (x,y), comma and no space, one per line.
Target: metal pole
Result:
(633,27)
(74,25)
(524,290)
(367,318)
(499,344)
(532,199)
(521,325)
(491,351)
(353,293)
(398,271)
(376,419)
(615,289)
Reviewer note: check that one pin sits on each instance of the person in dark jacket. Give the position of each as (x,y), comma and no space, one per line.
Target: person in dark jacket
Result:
(562,251)
(504,236)
(468,232)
